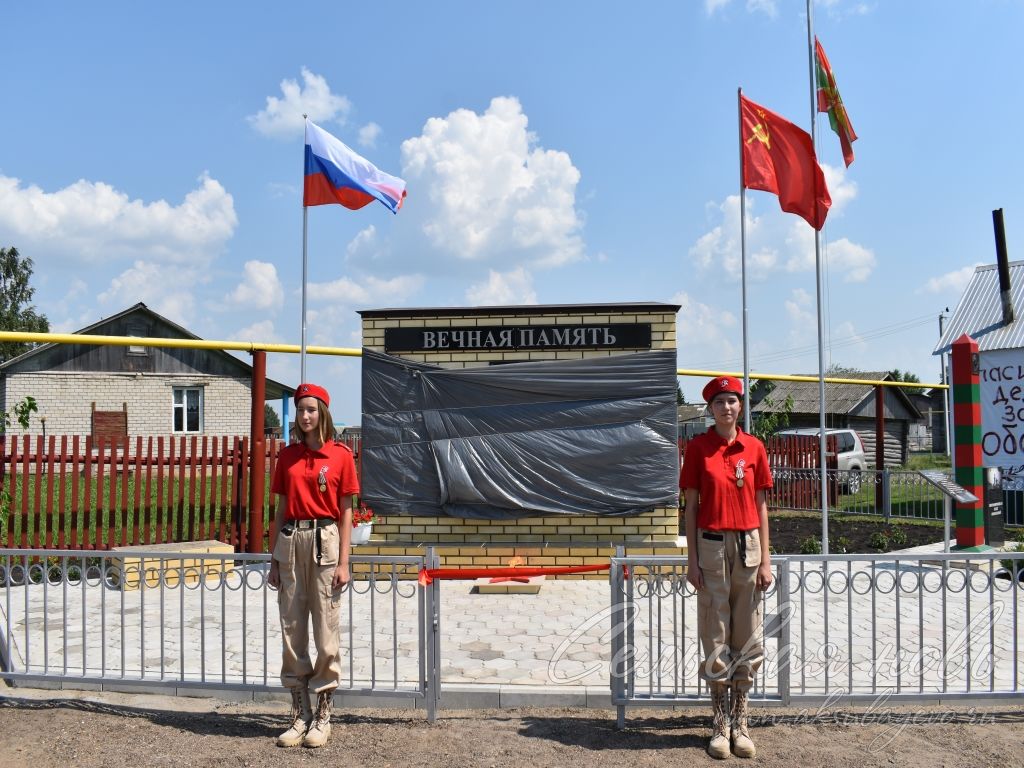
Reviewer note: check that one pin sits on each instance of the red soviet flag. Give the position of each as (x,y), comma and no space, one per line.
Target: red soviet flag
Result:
(779,157)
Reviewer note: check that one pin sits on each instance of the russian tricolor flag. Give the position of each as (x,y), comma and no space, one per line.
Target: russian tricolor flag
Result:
(336,174)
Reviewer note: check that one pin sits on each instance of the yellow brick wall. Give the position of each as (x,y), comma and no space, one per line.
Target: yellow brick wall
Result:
(497,557)
(555,540)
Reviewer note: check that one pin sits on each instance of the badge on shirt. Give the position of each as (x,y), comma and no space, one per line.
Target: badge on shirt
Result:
(322,480)
(739,472)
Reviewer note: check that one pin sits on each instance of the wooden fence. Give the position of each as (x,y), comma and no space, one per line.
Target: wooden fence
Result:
(81,492)
(793,459)
(96,493)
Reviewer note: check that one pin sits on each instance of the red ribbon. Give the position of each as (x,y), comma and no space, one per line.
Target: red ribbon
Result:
(427,575)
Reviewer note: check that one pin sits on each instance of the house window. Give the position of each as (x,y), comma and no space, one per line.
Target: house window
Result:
(137,329)
(188,409)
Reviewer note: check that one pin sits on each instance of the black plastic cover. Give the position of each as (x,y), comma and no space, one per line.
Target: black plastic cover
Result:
(553,437)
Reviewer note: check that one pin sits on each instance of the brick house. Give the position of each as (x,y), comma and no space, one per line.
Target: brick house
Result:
(84,389)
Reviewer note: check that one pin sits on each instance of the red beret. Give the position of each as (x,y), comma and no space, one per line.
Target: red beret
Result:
(312,390)
(722,384)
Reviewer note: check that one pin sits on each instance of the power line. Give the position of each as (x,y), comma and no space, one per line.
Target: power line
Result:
(839,342)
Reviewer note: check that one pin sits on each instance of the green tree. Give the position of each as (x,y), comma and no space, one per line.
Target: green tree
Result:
(899,375)
(841,371)
(767,424)
(760,389)
(270,418)
(680,397)
(22,411)
(16,310)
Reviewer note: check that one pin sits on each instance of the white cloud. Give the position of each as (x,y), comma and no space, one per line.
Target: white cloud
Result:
(93,222)
(370,290)
(364,241)
(503,288)
(167,289)
(260,287)
(770,8)
(767,7)
(854,262)
(840,189)
(279,190)
(951,282)
(777,240)
(486,189)
(261,331)
(718,250)
(76,288)
(704,334)
(802,318)
(282,117)
(837,9)
(368,135)
(74,323)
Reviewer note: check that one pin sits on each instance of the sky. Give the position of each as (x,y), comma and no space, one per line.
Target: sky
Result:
(555,152)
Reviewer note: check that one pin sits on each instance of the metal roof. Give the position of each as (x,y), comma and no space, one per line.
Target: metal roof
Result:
(980,312)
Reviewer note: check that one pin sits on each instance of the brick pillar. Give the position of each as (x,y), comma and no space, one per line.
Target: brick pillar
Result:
(970,521)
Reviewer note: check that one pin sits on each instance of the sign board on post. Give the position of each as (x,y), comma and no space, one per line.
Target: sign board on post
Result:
(1001,374)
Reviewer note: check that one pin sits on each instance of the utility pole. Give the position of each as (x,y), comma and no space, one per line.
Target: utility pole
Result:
(945,394)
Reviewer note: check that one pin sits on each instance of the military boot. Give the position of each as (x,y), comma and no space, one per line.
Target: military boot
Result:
(320,729)
(718,747)
(742,745)
(300,719)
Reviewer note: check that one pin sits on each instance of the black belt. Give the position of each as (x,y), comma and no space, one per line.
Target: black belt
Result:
(741,541)
(309,525)
(316,524)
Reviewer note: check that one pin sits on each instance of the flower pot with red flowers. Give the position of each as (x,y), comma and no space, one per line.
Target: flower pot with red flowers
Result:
(362,524)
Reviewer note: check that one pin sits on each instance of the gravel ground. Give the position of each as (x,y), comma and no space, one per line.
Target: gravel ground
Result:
(67,728)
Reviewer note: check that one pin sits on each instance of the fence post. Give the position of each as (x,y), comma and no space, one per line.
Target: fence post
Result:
(886,494)
(257,452)
(616,670)
(433,637)
(785,642)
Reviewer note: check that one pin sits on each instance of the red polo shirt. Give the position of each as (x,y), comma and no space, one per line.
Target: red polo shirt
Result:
(710,466)
(301,473)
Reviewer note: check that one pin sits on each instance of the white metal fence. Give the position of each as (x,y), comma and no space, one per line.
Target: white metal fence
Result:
(911,628)
(861,627)
(186,620)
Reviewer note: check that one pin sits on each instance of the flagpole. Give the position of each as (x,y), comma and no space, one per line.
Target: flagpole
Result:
(743,267)
(818,288)
(305,227)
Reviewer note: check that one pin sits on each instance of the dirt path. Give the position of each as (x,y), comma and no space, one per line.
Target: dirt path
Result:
(134,731)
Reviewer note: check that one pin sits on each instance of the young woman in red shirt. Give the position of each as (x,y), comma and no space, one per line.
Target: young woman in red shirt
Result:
(315,479)
(724,479)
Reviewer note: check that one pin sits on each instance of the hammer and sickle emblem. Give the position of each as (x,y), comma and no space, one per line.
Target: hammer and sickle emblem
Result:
(761,133)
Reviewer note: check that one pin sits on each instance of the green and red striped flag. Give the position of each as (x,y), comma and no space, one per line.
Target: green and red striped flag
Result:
(830,101)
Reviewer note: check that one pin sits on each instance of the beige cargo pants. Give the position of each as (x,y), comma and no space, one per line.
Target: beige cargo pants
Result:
(729,607)
(306,592)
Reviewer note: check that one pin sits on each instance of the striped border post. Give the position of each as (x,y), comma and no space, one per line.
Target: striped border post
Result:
(970,518)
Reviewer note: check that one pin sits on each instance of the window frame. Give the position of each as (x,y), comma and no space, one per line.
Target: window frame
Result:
(183,407)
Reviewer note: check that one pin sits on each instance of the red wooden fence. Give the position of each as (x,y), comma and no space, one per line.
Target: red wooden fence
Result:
(81,492)
(794,460)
